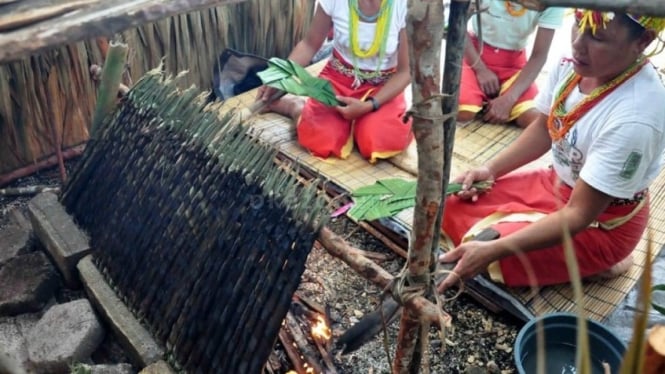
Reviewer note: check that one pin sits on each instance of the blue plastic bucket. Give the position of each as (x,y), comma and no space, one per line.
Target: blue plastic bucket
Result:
(560,331)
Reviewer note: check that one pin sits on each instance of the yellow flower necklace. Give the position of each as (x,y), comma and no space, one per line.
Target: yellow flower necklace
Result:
(514,12)
(380,35)
(559,122)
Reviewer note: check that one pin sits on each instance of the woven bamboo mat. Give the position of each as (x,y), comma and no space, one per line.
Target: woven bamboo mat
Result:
(474,144)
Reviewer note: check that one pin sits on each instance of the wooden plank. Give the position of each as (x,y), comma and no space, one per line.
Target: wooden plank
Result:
(73,21)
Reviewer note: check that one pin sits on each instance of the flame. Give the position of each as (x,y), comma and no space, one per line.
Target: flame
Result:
(321,330)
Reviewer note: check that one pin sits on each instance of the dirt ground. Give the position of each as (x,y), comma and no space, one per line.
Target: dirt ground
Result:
(479,342)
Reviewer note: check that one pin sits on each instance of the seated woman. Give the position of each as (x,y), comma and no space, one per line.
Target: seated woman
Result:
(499,79)
(369,71)
(602,117)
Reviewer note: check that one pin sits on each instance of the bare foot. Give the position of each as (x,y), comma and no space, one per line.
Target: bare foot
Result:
(616,270)
(289,105)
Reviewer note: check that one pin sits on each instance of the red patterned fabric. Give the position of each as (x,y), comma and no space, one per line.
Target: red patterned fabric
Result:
(597,249)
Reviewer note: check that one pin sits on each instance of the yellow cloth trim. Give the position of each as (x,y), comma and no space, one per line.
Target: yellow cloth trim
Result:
(494,269)
(613,223)
(521,108)
(509,82)
(348,147)
(495,273)
(498,217)
(469,108)
(385,154)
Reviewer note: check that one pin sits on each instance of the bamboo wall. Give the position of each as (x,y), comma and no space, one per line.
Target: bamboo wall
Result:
(53,91)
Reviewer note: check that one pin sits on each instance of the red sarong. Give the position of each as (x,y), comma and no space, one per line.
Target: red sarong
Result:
(381,134)
(597,249)
(506,64)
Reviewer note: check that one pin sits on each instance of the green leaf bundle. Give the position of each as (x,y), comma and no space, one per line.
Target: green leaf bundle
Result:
(388,197)
(290,77)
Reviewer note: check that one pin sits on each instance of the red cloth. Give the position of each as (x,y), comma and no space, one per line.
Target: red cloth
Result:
(324,132)
(504,63)
(597,249)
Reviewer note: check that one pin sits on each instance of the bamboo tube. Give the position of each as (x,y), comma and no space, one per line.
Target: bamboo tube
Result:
(114,67)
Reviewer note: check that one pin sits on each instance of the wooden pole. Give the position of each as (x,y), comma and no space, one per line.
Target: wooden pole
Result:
(644,7)
(107,95)
(40,165)
(424,25)
(96,18)
(369,270)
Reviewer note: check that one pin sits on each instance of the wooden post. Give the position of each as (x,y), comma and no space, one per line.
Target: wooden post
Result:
(645,7)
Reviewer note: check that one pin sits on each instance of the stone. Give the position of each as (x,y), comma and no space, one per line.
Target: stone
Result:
(28,283)
(106,369)
(134,338)
(159,367)
(61,237)
(14,241)
(66,333)
(13,349)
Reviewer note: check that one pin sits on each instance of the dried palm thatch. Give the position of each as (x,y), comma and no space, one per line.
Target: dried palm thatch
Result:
(41,95)
(194,41)
(55,89)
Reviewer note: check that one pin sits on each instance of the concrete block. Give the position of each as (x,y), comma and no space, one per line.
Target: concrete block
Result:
(57,231)
(137,341)
(66,333)
(159,367)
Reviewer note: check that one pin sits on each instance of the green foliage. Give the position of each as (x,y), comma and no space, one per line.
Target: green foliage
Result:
(80,368)
(657,307)
(290,77)
(388,197)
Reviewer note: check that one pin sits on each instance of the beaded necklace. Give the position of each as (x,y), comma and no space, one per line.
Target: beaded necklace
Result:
(514,12)
(382,30)
(559,122)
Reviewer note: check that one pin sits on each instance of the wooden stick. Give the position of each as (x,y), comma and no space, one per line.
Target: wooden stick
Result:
(28,190)
(366,268)
(301,342)
(644,7)
(654,357)
(384,239)
(110,81)
(100,18)
(291,350)
(43,164)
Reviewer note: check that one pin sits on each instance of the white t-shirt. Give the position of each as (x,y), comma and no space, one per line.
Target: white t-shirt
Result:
(338,10)
(502,30)
(617,146)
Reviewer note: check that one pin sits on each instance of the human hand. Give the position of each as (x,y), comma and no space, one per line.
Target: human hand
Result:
(353,107)
(468,178)
(488,82)
(498,110)
(472,259)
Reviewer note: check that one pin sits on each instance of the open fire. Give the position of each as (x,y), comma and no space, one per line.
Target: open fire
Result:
(306,337)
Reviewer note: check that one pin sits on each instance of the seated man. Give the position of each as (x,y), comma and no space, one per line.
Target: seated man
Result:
(601,116)
(497,78)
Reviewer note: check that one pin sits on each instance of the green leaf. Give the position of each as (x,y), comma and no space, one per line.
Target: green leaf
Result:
(290,77)
(388,197)
(657,307)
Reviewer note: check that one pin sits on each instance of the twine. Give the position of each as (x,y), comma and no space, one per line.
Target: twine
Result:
(413,112)
(402,292)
